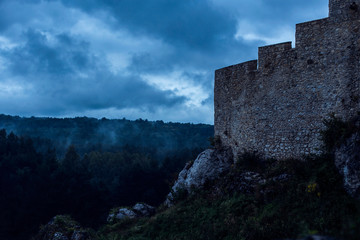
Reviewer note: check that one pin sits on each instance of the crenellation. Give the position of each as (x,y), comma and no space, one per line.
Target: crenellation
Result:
(275,48)
(278,108)
(247,67)
(305,32)
(270,56)
(344,10)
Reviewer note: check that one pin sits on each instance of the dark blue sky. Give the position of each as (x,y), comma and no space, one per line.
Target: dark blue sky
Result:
(151,59)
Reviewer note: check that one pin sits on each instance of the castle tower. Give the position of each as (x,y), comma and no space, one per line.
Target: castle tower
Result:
(276,105)
(341,10)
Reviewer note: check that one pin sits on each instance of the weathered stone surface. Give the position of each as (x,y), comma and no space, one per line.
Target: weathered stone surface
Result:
(277,105)
(281,177)
(122,213)
(59,236)
(80,235)
(62,228)
(207,166)
(139,210)
(144,210)
(347,160)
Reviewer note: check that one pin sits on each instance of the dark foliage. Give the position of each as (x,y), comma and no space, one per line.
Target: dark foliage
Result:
(36,186)
(337,130)
(251,161)
(156,138)
(312,201)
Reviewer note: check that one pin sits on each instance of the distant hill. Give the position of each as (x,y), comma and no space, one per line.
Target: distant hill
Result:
(90,134)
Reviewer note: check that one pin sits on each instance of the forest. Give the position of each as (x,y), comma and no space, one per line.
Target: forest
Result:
(83,167)
(90,134)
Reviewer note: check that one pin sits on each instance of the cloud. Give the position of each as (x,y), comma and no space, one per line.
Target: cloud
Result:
(267,22)
(132,58)
(61,74)
(196,24)
(249,32)
(44,53)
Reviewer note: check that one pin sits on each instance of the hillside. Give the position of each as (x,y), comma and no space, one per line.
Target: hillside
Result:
(91,134)
(310,202)
(84,167)
(254,199)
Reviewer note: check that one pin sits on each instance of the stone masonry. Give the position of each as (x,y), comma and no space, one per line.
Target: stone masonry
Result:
(276,105)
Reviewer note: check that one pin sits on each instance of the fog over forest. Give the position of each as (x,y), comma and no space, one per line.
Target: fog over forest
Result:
(84,167)
(88,134)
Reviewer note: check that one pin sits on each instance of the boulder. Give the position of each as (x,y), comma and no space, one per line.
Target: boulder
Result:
(80,235)
(59,236)
(347,160)
(122,213)
(209,165)
(62,227)
(137,211)
(143,210)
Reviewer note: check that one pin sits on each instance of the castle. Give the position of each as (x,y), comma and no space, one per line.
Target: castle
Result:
(276,105)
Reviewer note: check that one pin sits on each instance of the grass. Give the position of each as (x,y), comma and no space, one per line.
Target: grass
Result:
(311,201)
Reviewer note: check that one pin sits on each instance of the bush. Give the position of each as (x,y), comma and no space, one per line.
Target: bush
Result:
(311,201)
(337,131)
(251,161)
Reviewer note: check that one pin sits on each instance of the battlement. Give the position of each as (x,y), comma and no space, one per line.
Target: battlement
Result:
(272,53)
(344,10)
(306,31)
(245,67)
(277,105)
(275,48)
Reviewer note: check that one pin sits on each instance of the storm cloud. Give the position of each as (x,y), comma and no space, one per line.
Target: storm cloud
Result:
(132,58)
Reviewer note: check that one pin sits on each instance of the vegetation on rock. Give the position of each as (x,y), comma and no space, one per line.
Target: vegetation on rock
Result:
(260,199)
(311,201)
(36,184)
(253,199)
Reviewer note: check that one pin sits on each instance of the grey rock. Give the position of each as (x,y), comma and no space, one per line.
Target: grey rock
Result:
(207,166)
(253,177)
(143,210)
(139,210)
(281,178)
(125,213)
(347,160)
(59,236)
(80,235)
(62,227)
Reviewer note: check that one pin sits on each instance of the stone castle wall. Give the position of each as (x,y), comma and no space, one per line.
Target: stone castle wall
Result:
(277,105)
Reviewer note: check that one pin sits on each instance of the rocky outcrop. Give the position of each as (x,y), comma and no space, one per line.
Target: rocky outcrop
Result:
(62,228)
(121,213)
(209,165)
(245,182)
(347,160)
(144,210)
(137,211)
(80,235)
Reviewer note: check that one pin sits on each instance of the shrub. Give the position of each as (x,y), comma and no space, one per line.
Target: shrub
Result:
(337,131)
(251,161)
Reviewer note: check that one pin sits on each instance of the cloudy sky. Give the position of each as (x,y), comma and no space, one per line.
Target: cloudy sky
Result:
(150,59)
